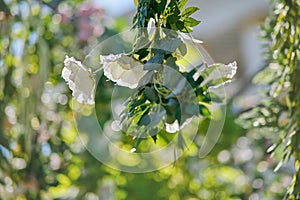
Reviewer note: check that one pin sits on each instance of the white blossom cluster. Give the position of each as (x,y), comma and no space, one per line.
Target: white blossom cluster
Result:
(120,68)
(126,71)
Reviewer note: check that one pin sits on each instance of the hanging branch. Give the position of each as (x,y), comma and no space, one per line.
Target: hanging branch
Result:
(282,114)
(159,43)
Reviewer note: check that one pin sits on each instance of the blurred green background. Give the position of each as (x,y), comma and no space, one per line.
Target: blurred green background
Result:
(41,156)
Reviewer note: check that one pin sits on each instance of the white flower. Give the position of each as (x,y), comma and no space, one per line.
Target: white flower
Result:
(173,128)
(80,80)
(216,74)
(122,69)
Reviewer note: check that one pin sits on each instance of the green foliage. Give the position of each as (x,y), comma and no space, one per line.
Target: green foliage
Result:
(280,111)
(167,95)
(40,153)
(168,15)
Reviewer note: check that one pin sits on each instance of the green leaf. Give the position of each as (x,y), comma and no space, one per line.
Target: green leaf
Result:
(172,19)
(207,98)
(154,137)
(189,21)
(180,25)
(171,62)
(143,53)
(145,120)
(215,98)
(178,113)
(182,4)
(161,6)
(173,27)
(189,11)
(157,58)
(173,7)
(182,49)
(204,111)
(168,45)
(170,119)
(154,62)
(187,30)
(150,94)
(135,103)
(156,117)
(146,78)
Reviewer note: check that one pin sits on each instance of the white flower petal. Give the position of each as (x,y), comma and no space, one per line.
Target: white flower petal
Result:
(122,69)
(151,27)
(216,74)
(172,128)
(113,72)
(186,122)
(80,80)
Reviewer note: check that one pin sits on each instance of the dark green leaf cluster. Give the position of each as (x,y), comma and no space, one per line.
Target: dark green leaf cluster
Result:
(167,14)
(166,95)
(154,104)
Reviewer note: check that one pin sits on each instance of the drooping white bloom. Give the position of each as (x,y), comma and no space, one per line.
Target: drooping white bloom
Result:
(173,128)
(80,80)
(216,74)
(122,69)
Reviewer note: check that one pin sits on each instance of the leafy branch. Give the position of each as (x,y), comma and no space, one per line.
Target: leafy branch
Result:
(281,110)
(154,104)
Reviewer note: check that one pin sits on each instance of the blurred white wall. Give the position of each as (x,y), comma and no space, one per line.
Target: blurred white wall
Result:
(117,8)
(230,30)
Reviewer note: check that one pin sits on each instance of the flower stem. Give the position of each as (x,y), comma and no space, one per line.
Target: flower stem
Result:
(97,70)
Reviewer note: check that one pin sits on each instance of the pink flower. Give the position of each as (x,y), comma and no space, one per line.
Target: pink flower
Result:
(88,23)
